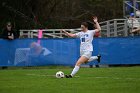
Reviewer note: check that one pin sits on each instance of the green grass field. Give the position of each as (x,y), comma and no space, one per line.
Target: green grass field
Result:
(87,80)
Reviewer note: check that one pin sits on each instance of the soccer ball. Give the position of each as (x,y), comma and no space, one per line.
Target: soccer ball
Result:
(60,74)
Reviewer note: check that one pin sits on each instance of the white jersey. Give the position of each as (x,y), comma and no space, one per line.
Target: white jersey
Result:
(86,40)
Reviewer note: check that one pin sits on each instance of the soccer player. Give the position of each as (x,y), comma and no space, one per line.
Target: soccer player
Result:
(86,47)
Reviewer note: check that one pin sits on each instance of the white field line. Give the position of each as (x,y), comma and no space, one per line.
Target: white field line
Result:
(40,75)
(118,78)
(43,75)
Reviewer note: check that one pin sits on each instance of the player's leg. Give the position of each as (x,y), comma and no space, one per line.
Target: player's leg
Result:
(81,60)
(95,58)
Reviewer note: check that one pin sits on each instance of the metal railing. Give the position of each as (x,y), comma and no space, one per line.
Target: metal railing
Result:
(110,28)
(47,33)
(114,28)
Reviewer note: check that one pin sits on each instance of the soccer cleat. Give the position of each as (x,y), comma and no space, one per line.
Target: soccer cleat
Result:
(68,76)
(99,58)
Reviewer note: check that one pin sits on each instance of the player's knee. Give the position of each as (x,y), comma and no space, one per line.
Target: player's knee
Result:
(78,63)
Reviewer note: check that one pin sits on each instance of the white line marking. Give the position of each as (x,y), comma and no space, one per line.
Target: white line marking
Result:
(118,78)
(45,75)
(40,75)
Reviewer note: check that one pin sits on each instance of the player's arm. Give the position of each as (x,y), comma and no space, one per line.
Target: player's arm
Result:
(68,34)
(98,28)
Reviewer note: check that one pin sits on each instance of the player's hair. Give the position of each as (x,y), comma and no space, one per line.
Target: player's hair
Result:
(85,24)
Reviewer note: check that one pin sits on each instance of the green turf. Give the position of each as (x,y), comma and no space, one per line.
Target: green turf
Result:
(90,80)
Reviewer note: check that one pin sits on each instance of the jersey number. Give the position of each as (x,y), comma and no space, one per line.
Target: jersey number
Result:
(83,39)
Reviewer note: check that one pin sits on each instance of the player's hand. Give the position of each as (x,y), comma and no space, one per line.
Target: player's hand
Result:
(95,19)
(63,31)
(66,33)
(10,37)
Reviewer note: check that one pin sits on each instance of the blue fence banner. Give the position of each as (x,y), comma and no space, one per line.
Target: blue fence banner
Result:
(29,52)
(124,50)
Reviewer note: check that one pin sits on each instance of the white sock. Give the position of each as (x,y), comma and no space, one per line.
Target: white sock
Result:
(75,70)
(93,58)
